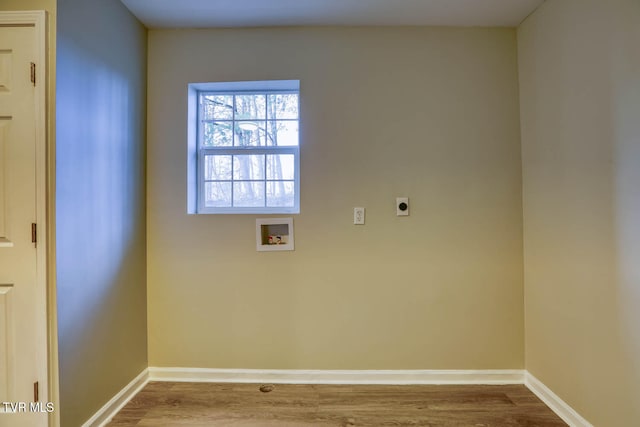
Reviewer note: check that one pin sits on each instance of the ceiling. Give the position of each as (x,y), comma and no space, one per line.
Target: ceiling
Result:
(264,13)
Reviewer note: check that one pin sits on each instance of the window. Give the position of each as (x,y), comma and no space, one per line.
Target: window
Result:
(247,147)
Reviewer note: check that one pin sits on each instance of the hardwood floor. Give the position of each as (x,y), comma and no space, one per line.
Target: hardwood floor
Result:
(206,404)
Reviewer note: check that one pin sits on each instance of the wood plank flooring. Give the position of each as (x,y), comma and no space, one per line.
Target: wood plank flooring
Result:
(206,404)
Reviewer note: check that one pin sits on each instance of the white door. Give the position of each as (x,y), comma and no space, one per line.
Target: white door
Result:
(23,345)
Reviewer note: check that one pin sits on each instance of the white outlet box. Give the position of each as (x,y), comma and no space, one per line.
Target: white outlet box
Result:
(358,216)
(274,234)
(402,202)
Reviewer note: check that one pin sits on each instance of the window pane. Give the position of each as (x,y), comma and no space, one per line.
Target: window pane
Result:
(217,194)
(248,167)
(283,106)
(250,107)
(217,168)
(249,134)
(280,193)
(217,134)
(217,107)
(282,133)
(248,194)
(280,166)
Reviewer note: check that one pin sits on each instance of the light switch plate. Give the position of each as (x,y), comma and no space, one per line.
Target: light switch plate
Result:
(358,216)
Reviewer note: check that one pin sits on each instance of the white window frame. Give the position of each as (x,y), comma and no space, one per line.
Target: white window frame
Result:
(197,154)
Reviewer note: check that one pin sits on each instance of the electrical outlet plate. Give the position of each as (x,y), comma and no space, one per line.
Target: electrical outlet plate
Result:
(400,203)
(358,216)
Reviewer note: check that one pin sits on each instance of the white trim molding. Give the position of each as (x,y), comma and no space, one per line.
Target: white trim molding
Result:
(557,405)
(290,376)
(348,377)
(113,406)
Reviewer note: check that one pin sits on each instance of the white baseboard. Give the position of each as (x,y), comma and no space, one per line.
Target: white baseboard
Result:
(557,405)
(112,407)
(382,377)
(399,377)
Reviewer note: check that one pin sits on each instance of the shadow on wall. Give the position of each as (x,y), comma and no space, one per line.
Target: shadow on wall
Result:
(626,137)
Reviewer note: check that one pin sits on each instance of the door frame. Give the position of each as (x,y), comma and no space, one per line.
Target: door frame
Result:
(45,250)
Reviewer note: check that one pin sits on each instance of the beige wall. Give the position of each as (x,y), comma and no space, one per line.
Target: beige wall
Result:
(580,92)
(428,113)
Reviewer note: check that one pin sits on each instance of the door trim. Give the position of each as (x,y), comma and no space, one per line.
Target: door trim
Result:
(44,212)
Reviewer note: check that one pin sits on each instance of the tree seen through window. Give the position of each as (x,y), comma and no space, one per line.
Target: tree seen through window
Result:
(249,143)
